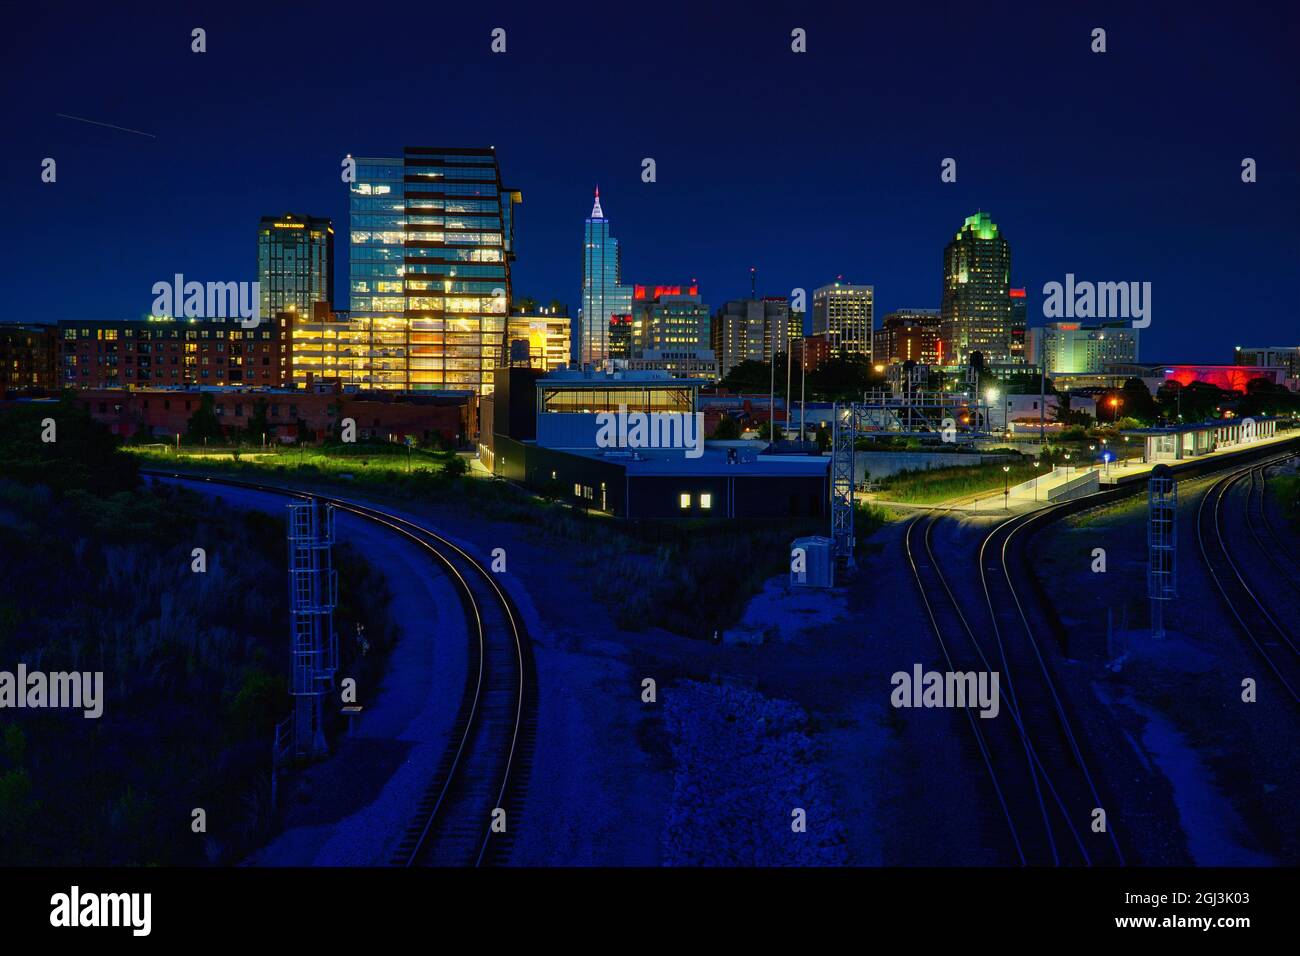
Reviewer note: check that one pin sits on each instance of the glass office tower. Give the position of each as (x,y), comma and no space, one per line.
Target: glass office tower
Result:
(295,263)
(603,295)
(431,246)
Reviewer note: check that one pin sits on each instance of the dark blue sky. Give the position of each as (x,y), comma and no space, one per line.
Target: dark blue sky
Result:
(1122,166)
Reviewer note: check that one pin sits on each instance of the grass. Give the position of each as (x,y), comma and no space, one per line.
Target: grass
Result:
(379,462)
(937,485)
(1285,490)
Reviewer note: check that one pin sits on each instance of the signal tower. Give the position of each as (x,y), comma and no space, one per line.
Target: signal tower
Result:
(313,595)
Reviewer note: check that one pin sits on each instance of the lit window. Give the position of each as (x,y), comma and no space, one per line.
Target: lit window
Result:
(685,499)
(706,500)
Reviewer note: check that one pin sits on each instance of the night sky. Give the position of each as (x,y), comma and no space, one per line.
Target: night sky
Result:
(1124,166)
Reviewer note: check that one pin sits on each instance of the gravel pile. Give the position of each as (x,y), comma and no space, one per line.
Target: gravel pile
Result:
(744,763)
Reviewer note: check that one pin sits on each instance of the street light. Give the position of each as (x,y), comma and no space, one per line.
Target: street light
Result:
(1006,487)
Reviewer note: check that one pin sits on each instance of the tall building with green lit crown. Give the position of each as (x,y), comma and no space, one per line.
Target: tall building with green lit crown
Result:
(975,314)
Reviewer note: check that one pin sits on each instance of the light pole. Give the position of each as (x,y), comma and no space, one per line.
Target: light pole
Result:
(1067,466)
(1006,487)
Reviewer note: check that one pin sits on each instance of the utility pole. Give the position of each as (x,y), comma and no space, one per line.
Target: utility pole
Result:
(1042,403)
(788,357)
(803,385)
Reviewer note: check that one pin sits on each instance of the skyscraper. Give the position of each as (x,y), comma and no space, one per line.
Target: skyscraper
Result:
(603,294)
(750,329)
(845,314)
(975,312)
(295,263)
(1019,323)
(432,241)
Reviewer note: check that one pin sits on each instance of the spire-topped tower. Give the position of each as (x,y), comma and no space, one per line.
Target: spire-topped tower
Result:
(605,299)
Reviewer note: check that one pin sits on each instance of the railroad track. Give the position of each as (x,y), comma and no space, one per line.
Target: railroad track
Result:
(481,778)
(1277,551)
(1223,560)
(1037,770)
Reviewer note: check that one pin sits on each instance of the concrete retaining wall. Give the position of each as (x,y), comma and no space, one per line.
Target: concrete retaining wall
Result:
(882,464)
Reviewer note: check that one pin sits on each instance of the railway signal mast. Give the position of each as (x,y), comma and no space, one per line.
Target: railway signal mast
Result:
(313,595)
(1162,541)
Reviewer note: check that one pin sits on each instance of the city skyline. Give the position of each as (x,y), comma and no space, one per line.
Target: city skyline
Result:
(1111,201)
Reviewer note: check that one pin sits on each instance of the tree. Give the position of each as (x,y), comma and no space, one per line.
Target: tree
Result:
(840,379)
(203,424)
(748,376)
(527,305)
(258,424)
(1135,402)
(728,429)
(82,456)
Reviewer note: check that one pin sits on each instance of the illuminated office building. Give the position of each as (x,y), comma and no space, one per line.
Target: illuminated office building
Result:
(547,335)
(908,335)
(975,314)
(1019,324)
(750,330)
(432,238)
(603,294)
(845,315)
(295,263)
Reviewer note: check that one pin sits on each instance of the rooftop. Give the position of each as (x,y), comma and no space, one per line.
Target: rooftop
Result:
(713,462)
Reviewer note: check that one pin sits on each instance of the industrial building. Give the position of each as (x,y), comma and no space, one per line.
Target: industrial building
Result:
(555,433)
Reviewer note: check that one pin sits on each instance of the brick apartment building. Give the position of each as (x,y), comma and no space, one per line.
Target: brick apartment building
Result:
(28,358)
(152,353)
